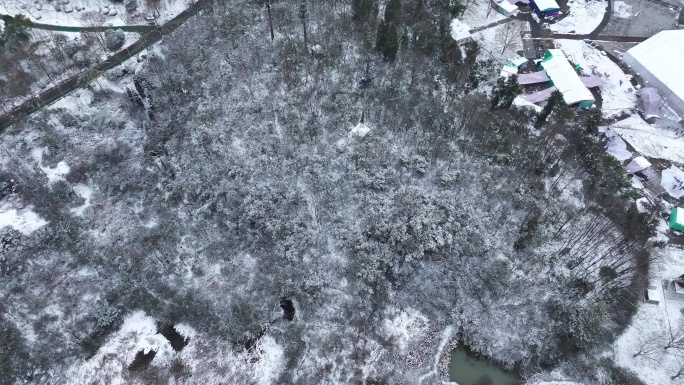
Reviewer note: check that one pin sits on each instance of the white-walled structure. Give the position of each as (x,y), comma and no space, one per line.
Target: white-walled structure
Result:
(660,62)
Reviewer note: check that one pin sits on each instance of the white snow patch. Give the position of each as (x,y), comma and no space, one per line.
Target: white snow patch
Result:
(84,192)
(584,17)
(271,363)
(408,324)
(24,221)
(53,174)
(616,146)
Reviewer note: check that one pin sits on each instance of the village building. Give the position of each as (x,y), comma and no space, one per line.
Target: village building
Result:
(677,219)
(565,79)
(505,7)
(460,32)
(545,8)
(660,62)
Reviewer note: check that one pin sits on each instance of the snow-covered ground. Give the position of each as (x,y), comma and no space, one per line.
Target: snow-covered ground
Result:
(139,333)
(23,220)
(617,97)
(501,42)
(584,17)
(476,12)
(641,347)
(84,13)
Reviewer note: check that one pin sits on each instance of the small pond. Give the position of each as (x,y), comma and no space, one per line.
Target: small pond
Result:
(466,368)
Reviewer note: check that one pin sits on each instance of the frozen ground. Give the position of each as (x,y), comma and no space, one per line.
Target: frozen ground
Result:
(584,17)
(617,97)
(84,13)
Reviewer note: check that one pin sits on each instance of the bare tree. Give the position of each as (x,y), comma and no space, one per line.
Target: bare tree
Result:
(507,35)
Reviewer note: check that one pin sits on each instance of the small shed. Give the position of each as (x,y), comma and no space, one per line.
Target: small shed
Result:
(637,164)
(677,219)
(460,31)
(505,7)
(652,294)
(545,8)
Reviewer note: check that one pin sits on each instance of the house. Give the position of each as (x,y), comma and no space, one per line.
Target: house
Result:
(677,223)
(680,19)
(505,7)
(659,61)
(460,32)
(545,8)
(565,79)
(652,294)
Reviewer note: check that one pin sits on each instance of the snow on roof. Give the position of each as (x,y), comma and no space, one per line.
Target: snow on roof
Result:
(663,56)
(680,215)
(654,292)
(507,71)
(673,182)
(520,102)
(459,30)
(592,81)
(507,6)
(545,5)
(617,147)
(516,61)
(564,77)
(360,130)
(540,96)
(637,164)
(532,78)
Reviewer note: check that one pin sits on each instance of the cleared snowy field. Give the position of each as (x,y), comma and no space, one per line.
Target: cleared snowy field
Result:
(584,17)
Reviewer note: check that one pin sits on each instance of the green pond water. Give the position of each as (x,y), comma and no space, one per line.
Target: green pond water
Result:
(466,368)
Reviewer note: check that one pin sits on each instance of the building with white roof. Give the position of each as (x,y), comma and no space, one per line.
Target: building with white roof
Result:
(660,62)
(565,79)
(544,8)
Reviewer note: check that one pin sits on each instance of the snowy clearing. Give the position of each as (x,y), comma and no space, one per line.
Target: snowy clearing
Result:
(584,17)
(24,220)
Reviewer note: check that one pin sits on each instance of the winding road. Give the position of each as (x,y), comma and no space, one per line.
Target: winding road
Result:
(53,94)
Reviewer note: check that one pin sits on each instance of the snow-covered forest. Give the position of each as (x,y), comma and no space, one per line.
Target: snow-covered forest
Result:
(333,203)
